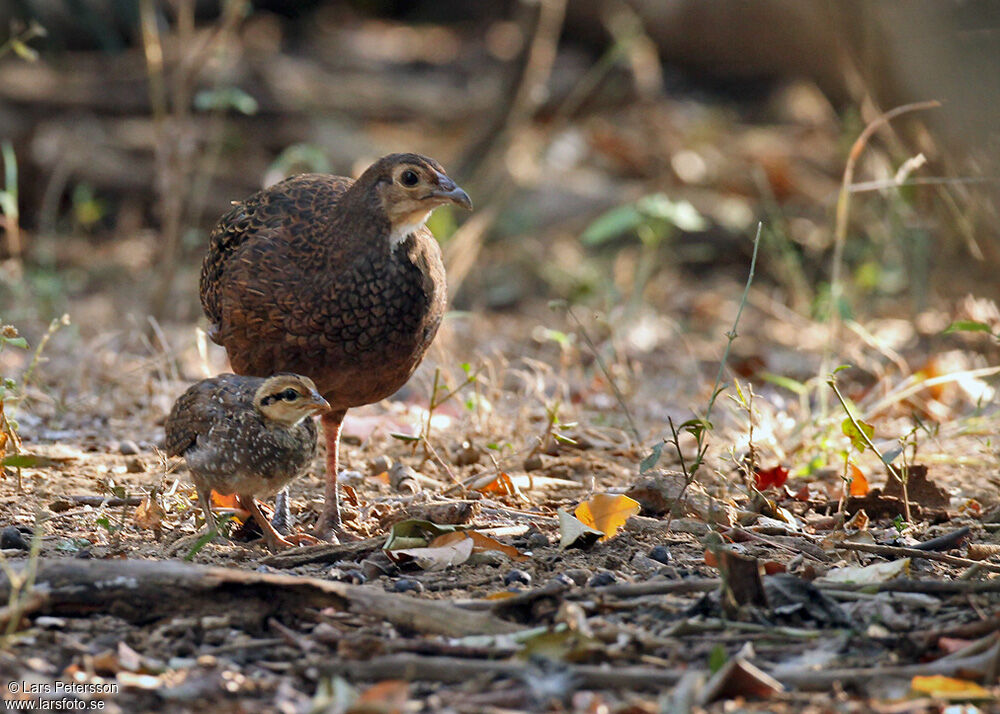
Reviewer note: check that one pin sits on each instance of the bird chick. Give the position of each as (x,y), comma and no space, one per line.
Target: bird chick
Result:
(335,279)
(247,436)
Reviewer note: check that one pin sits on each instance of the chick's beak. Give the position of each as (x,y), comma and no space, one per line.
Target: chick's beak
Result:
(449,191)
(320,405)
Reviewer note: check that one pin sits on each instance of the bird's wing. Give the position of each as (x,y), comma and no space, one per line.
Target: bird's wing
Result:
(207,405)
(273,215)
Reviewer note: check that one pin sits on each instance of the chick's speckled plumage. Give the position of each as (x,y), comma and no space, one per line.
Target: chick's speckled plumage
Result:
(229,445)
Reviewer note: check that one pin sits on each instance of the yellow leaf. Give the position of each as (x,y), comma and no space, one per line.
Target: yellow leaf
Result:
(949,688)
(607,513)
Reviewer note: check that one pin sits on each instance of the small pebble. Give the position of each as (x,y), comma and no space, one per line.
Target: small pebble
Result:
(466,454)
(353,575)
(563,579)
(605,577)
(661,554)
(380,465)
(11,537)
(135,466)
(407,585)
(128,448)
(580,576)
(517,577)
(538,540)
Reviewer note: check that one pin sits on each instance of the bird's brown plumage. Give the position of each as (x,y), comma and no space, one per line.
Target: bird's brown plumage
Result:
(334,279)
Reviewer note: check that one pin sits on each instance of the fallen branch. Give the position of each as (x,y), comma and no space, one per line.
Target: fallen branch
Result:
(322,553)
(147,590)
(893,551)
(454,669)
(977,668)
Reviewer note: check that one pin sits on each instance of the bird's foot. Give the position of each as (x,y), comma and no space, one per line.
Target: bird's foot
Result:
(330,529)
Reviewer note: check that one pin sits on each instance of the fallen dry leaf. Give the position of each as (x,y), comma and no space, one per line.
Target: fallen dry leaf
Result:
(607,513)
(949,688)
(148,515)
(859,484)
(480,543)
(766,478)
(574,533)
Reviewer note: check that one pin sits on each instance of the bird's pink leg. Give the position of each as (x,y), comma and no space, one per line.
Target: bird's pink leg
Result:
(329,521)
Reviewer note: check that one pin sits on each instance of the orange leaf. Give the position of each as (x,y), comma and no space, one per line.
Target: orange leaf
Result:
(859,484)
(773,567)
(766,478)
(607,513)
(148,514)
(803,493)
(948,687)
(220,500)
(480,543)
(387,697)
(710,559)
(501,484)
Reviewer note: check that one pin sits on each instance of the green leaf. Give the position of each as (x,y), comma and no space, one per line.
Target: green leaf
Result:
(23,51)
(15,342)
(221,527)
(841,368)
(404,437)
(652,459)
(856,437)
(416,533)
(226,98)
(717,658)
(612,224)
(20,461)
(677,213)
(967,326)
(792,385)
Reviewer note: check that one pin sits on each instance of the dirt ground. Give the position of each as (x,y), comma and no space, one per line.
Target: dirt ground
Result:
(643,606)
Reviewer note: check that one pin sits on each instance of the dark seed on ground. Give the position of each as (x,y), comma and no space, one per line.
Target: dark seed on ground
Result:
(601,579)
(661,554)
(11,537)
(517,577)
(128,448)
(407,585)
(563,579)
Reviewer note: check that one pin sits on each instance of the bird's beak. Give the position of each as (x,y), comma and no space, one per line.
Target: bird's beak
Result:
(451,193)
(320,405)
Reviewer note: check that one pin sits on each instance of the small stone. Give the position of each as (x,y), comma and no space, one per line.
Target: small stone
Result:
(466,454)
(563,579)
(538,540)
(128,448)
(380,465)
(661,554)
(605,577)
(407,585)
(134,465)
(403,479)
(517,577)
(533,462)
(352,575)
(11,537)
(580,576)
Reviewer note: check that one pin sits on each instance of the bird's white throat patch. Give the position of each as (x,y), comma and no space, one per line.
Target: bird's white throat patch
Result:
(402,230)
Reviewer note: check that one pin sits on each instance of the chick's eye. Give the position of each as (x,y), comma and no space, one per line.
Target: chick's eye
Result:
(289,395)
(409,178)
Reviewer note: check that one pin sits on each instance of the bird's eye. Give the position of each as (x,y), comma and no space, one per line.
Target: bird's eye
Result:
(409,178)
(289,395)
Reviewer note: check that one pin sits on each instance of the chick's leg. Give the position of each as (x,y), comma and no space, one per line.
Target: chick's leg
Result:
(273,538)
(329,524)
(205,499)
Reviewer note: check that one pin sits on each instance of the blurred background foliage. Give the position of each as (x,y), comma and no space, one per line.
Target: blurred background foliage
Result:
(612,148)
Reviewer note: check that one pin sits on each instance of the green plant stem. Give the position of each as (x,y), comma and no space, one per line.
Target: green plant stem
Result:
(871,445)
(732,334)
(607,374)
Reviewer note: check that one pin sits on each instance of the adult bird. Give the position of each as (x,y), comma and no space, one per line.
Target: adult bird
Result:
(335,279)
